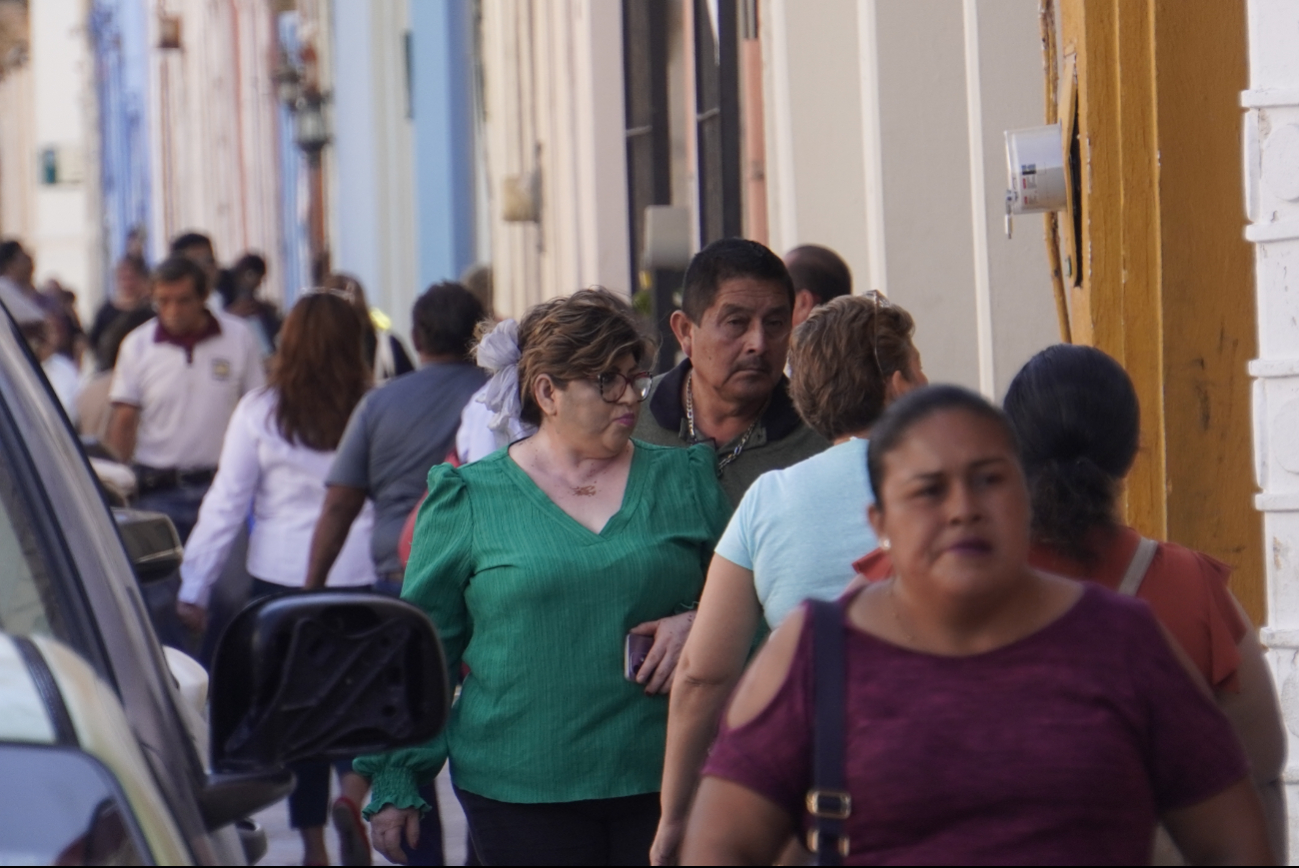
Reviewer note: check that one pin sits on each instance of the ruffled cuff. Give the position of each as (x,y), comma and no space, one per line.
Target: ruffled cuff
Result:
(396,786)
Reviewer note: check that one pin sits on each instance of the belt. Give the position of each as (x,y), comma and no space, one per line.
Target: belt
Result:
(395,576)
(163,478)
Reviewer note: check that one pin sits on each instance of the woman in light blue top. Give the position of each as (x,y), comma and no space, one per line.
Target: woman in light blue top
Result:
(797,531)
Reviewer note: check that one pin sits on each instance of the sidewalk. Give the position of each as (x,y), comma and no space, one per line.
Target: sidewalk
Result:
(285,848)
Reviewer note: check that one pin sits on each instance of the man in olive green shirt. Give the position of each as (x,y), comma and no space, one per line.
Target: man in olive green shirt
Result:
(734,327)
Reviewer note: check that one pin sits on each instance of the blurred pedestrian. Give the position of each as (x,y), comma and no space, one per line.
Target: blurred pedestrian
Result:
(60,370)
(1076,414)
(476,437)
(797,531)
(384,351)
(963,710)
(36,326)
(17,269)
(176,384)
(93,404)
(277,452)
(130,293)
(536,564)
(731,391)
(197,247)
(68,335)
(129,307)
(245,280)
(395,435)
(479,281)
(819,274)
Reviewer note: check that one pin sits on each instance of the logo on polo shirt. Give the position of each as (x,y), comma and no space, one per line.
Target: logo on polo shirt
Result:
(220,369)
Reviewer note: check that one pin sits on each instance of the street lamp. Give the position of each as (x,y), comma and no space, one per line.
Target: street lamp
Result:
(299,94)
(288,81)
(296,88)
(311,131)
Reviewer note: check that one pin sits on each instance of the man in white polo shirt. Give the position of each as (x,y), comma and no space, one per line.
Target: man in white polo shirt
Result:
(176,384)
(177,381)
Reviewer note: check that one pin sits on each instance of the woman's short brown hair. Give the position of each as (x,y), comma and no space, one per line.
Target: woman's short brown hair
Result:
(843,356)
(577,337)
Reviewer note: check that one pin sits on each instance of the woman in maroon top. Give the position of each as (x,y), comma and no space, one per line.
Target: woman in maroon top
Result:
(985,722)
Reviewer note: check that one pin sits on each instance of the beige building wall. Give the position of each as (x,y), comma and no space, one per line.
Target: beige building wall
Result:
(884,134)
(885,143)
(17,152)
(553,131)
(47,103)
(370,168)
(213,129)
(816,184)
(1011,81)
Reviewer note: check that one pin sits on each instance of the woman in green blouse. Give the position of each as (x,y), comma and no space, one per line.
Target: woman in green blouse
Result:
(535,563)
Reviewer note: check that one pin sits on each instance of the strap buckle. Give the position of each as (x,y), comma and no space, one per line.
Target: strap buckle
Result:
(829,804)
(814,842)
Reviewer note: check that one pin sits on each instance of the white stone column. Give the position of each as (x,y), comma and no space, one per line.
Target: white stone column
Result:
(63,232)
(1272,205)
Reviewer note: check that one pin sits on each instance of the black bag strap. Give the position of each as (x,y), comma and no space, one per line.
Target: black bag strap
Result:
(828,800)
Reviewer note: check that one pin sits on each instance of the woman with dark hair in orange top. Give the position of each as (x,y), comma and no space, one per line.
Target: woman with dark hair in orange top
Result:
(1078,421)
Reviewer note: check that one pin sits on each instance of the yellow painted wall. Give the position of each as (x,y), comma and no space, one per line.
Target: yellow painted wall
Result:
(1166,275)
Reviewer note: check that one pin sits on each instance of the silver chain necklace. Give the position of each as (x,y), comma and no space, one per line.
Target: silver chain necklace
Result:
(694,438)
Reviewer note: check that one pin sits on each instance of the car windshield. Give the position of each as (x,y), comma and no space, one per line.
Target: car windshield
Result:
(26,591)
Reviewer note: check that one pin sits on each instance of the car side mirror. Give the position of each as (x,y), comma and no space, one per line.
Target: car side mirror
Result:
(151,542)
(324,675)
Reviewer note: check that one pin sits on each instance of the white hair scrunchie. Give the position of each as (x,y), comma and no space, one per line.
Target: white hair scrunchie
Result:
(498,352)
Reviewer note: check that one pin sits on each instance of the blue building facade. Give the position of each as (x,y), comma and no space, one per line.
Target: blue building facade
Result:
(119,39)
(436,169)
(403,121)
(442,97)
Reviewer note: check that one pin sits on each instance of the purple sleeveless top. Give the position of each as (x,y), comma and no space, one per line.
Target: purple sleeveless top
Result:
(1062,747)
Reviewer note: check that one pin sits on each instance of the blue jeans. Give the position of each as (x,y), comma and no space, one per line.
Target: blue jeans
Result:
(181,506)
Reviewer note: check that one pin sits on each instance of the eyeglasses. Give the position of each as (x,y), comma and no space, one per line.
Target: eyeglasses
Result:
(613,385)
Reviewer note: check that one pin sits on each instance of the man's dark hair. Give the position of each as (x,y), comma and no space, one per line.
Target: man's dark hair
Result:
(136,264)
(726,260)
(820,271)
(445,318)
(915,407)
(250,262)
(9,251)
(176,268)
(187,240)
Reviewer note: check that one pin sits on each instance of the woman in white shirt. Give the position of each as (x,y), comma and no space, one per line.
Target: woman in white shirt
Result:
(277,452)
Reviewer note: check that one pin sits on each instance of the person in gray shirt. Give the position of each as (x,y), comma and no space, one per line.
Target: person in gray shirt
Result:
(398,432)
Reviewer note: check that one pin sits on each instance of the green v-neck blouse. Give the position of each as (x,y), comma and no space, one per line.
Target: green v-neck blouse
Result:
(537,607)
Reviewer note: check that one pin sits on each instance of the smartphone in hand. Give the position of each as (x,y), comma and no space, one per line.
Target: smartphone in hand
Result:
(634,652)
